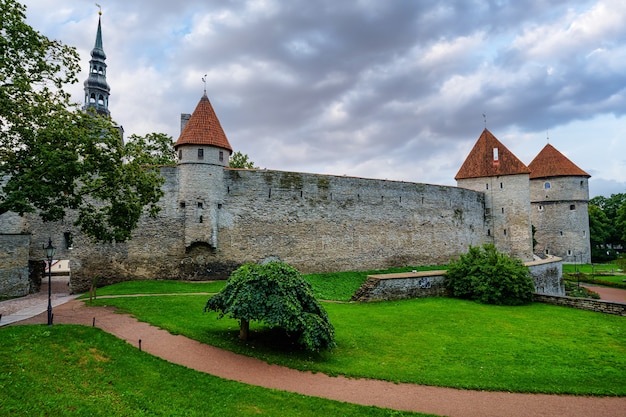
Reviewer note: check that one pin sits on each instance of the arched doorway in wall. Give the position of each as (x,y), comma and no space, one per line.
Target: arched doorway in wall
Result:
(60,274)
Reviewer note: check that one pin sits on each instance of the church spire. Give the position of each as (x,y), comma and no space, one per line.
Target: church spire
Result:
(96,86)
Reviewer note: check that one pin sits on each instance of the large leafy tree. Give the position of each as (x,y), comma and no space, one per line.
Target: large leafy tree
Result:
(610,206)
(55,157)
(276,295)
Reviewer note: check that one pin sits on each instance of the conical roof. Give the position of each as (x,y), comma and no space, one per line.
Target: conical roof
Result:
(490,158)
(552,163)
(203,128)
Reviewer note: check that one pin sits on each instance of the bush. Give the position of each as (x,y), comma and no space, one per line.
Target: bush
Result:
(483,274)
(277,295)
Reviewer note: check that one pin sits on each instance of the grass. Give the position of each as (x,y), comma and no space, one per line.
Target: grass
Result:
(436,341)
(159,287)
(599,274)
(83,371)
(340,286)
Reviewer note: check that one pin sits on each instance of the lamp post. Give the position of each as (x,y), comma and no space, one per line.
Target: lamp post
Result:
(49,254)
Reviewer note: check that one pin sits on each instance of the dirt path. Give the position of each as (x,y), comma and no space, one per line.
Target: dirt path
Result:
(439,401)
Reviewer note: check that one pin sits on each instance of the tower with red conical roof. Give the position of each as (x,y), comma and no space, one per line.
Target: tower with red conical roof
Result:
(559,196)
(493,169)
(203,153)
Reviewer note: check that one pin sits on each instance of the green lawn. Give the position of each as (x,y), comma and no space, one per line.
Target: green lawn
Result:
(83,371)
(435,341)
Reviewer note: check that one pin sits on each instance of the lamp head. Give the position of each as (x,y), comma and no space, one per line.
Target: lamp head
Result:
(49,249)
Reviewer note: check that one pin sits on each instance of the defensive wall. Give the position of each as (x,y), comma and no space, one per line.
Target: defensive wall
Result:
(317,223)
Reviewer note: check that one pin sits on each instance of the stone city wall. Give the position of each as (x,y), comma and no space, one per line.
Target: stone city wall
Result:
(317,223)
(14,273)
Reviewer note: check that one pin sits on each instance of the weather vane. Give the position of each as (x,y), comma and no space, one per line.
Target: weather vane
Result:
(100,9)
(548,136)
(204,81)
(485,120)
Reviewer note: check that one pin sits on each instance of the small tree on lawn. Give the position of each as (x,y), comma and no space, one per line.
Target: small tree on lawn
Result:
(276,295)
(483,274)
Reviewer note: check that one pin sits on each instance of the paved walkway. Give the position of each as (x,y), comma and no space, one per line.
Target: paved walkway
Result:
(425,399)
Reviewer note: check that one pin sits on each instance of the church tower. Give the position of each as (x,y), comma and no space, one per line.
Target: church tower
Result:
(203,153)
(559,196)
(494,170)
(96,86)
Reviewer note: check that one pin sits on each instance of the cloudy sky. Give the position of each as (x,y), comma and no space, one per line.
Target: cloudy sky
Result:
(391,89)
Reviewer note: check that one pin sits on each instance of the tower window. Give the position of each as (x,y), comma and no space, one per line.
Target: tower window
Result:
(101,100)
(569,252)
(182,204)
(504,232)
(200,205)
(200,153)
(546,185)
(582,184)
(502,210)
(488,232)
(540,208)
(180,154)
(221,156)
(561,233)
(495,155)
(486,186)
(572,206)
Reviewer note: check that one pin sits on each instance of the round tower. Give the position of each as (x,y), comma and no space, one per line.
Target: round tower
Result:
(559,195)
(203,153)
(494,170)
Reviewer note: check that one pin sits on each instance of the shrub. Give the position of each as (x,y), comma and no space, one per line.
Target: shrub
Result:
(276,295)
(490,277)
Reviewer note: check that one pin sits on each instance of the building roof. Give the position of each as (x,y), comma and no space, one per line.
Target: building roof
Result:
(490,158)
(552,163)
(204,128)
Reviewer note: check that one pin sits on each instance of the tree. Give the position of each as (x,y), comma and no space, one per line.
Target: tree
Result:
(55,157)
(599,230)
(483,274)
(152,149)
(276,295)
(241,160)
(611,206)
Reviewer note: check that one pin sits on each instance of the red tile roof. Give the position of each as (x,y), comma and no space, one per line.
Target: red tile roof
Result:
(482,162)
(552,163)
(203,128)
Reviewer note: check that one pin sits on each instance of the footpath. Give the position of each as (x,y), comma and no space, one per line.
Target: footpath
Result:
(204,358)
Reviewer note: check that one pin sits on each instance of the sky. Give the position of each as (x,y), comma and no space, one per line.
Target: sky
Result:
(387,89)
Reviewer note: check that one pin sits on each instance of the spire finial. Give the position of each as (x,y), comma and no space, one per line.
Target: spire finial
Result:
(204,81)
(485,119)
(100,9)
(547,136)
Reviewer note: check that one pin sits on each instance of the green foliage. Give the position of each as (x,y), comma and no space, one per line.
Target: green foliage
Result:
(240,160)
(483,274)
(275,294)
(608,230)
(151,149)
(55,157)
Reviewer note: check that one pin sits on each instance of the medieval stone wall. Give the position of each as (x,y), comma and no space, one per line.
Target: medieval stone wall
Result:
(329,223)
(14,273)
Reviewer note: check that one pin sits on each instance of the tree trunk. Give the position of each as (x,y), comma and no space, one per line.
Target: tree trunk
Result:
(244,329)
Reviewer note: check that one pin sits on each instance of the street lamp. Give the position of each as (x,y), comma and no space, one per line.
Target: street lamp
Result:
(49,254)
